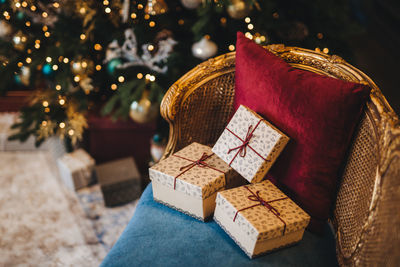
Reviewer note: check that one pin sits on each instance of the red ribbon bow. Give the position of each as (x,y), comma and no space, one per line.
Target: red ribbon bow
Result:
(245,143)
(257,198)
(200,162)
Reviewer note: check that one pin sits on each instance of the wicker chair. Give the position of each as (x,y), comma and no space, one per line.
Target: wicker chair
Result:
(366,217)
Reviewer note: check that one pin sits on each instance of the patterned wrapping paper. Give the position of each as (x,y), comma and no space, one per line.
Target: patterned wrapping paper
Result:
(258,222)
(198,182)
(256,158)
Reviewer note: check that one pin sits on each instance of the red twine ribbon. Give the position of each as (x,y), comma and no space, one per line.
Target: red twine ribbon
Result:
(245,143)
(257,198)
(200,162)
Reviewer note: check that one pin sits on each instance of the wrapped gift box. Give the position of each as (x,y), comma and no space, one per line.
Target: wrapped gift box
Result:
(190,179)
(260,218)
(250,144)
(76,169)
(120,181)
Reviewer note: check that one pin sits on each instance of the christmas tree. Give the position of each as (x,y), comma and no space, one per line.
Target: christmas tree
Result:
(119,57)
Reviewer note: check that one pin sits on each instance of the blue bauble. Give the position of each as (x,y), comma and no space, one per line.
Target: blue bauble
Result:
(47,70)
(17,79)
(2,1)
(20,15)
(112,65)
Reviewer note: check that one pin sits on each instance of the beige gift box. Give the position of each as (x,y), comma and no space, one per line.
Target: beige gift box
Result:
(250,144)
(181,183)
(260,218)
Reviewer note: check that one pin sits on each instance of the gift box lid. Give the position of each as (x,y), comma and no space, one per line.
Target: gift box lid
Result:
(250,144)
(278,215)
(117,171)
(77,160)
(180,171)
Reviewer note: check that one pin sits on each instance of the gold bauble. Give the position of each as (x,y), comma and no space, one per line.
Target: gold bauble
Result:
(82,66)
(238,9)
(19,41)
(156,7)
(144,110)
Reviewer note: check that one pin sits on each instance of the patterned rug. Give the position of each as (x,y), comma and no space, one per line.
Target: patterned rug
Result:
(42,223)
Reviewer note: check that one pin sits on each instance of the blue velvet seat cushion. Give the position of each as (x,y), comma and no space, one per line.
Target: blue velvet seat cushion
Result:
(160,236)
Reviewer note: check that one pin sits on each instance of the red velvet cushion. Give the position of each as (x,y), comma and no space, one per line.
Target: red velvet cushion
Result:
(318,113)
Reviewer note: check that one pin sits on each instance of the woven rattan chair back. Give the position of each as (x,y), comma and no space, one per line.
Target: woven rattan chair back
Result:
(366,217)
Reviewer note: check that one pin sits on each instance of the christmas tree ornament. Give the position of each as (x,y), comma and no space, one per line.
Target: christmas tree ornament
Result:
(144,110)
(86,85)
(82,67)
(238,9)
(19,41)
(5,29)
(156,7)
(47,70)
(205,48)
(113,65)
(25,75)
(20,15)
(191,4)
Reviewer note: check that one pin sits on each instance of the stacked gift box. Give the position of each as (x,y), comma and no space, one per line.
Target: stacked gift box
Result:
(202,181)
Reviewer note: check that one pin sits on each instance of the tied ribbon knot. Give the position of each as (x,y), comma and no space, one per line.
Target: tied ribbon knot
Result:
(242,149)
(200,163)
(257,198)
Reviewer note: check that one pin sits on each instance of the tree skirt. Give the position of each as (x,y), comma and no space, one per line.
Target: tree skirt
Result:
(41,222)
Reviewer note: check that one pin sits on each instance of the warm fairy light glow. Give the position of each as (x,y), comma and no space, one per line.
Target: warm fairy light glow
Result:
(77,78)
(71,132)
(249,35)
(56,5)
(107,10)
(5,14)
(24,4)
(84,64)
(147,16)
(114,87)
(28,60)
(133,15)
(150,47)
(121,79)
(275,15)
(62,125)
(33,8)
(152,78)
(250,26)
(247,20)
(139,75)
(47,34)
(45,104)
(58,87)
(147,76)
(55,67)
(44,123)
(98,67)
(140,6)
(65,60)
(82,10)
(231,48)
(181,22)
(263,38)
(47,110)
(44,15)
(152,24)
(37,41)
(28,24)
(97,47)
(48,59)
(325,50)
(320,36)
(317,49)
(20,64)
(105,2)
(223,20)
(17,4)
(44,28)
(82,36)
(61,101)
(29,51)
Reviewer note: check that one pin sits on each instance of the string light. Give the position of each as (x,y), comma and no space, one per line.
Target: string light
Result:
(98,67)
(114,87)
(139,75)
(48,59)
(82,10)
(97,47)
(250,26)
(33,8)
(47,34)
(24,4)
(28,24)
(231,47)
(44,28)
(84,64)
(82,36)
(71,132)
(61,101)
(223,20)
(62,125)
(121,79)
(28,60)
(107,10)
(317,49)
(29,51)
(147,76)
(77,78)
(55,67)
(275,15)
(181,22)
(147,16)
(325,50)
(58,87)
(152,78)
(17,4)
(44,15)
(152,24)
(45,104)
(150,47)
(47,110)
(140,6)
(248,35)
(320,36)
(56,5)
(263,38)
(44,123)
(20,64)
(65,60)
(105,2)
(247,20)
(133,15)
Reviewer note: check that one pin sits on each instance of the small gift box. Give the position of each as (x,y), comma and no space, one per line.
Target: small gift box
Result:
(190,179)
(250,144)
(76,169)
(260,218)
